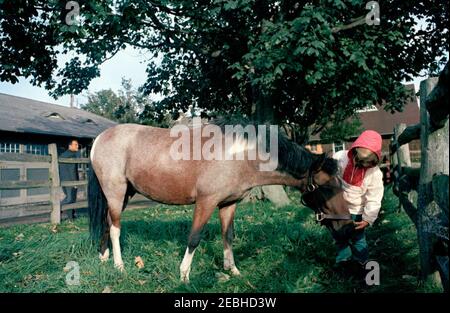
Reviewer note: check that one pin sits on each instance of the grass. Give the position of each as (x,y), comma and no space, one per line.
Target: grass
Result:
(276,250)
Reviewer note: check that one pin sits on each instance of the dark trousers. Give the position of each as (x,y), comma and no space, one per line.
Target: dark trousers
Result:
(71,197)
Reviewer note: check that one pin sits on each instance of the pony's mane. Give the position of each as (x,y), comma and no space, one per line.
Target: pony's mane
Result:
(292,158)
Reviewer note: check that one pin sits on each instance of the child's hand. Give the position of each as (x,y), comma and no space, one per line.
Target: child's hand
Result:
(361,225)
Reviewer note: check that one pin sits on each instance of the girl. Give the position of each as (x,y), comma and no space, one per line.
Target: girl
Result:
(363,189)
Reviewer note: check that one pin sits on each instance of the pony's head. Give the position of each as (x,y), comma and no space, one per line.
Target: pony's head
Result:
(330,207)
(309,168)
(323,170)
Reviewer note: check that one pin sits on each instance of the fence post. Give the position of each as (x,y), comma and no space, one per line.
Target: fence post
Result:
(55,216)
(432,226)
(403,158)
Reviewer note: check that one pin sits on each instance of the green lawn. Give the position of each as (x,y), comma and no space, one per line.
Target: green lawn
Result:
(276,250)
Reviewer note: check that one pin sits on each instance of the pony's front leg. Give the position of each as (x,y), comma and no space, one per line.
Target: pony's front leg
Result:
(202,213)
(185,266)
(226,219)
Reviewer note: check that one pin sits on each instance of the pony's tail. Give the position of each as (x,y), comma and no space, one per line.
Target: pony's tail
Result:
(98,207)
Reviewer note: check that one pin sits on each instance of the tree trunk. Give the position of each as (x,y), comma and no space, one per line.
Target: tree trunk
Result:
(432,220)
(264,109)
(276,194)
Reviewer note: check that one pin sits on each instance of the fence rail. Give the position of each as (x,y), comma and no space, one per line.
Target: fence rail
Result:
(20,184)
(53,182)
(6,156)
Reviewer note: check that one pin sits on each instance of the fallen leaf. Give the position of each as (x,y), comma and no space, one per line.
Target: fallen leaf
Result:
(19,253)
(20,237)
(250,284)
(142,282)
(54,229)
(138,262)
(107,290)
(38,276)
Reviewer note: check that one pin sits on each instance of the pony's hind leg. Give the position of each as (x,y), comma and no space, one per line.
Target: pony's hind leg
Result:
(115,241)
(226,214)
(104,244)
(104,247)
(115,195)
(202,213)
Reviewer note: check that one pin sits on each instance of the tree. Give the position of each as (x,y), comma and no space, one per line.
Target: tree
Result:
(123,108)
(103,103)
(341,132)
(280,61)
(127,106)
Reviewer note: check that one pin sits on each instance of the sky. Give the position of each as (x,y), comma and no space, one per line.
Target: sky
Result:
(129,63)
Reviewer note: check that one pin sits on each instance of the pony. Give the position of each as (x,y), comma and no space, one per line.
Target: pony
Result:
(130,158)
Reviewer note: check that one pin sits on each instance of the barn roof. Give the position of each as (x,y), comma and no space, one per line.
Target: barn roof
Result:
(24,115)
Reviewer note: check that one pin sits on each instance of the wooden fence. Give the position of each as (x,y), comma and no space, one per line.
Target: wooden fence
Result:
(430,181)
(53,183)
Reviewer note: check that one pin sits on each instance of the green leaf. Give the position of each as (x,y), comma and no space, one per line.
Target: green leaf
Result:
(300,50)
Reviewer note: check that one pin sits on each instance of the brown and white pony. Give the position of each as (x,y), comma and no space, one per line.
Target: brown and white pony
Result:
(130,158)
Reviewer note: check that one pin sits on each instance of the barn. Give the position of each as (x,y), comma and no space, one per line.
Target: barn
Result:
(27,127)
(376,118)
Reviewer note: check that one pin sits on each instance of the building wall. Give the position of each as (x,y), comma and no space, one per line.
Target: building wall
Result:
(414,148)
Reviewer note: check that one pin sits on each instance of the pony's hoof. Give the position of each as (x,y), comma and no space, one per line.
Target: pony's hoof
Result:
(235,272)
(184,277)
(120,267)
(105,256)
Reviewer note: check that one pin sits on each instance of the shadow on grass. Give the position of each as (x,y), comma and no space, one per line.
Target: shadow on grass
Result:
(308,267)
(277,255)
(276,250)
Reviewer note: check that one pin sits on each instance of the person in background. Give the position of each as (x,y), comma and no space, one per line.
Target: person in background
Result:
(69,172)
(362,181)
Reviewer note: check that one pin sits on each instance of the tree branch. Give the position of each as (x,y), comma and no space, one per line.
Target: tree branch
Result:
(355,22)
(437,103)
